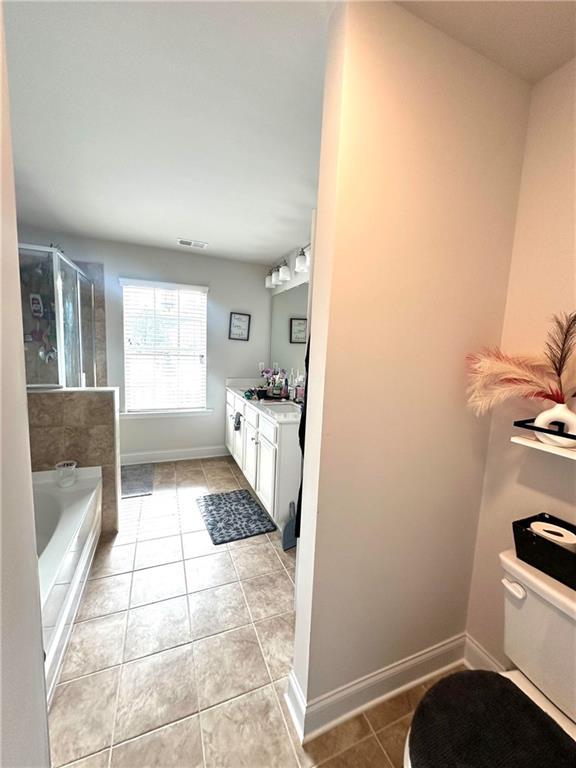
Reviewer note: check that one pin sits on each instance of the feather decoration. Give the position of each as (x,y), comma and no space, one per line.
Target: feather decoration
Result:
(561,342)
(496,377)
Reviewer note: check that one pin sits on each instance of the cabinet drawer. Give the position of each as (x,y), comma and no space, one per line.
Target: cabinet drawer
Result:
(230,397)
(251,415)
(267,429)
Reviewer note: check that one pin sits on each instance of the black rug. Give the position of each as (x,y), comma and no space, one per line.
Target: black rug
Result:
(234,515)
(482,720)
(137,480)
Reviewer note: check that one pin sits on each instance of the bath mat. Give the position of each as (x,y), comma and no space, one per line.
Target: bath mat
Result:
(482,720)
(234,515)
(137,480)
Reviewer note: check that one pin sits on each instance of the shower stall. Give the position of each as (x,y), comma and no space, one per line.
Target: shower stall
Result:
(58,320)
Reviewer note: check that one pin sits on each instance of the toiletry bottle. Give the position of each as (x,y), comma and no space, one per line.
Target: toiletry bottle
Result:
(285,388)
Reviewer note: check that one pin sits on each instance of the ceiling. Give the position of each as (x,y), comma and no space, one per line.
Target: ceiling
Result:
(529,38)
(146,122)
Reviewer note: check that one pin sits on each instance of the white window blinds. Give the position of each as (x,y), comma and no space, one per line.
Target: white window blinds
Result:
(164,346)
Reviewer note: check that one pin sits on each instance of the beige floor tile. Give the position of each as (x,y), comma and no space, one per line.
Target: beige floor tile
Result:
(159,527)
(190,489)
(209,571)
(99,760)
(155,691)
(174,746)
(81,716)
(328,744)
(255,560)
(288,558)
(163,503)
(216,610)
(111,560)
(223,485)
(156,627)
(247,732)
(94,645)
(366,754)
(393,709)
(276,637)
(103,596)
(187,465)
(292,574)
(164,471)
(393,739)
(199,543)
(190,517)
(158,583)
(269,595)
(228,665)
(158,552)
(249,542)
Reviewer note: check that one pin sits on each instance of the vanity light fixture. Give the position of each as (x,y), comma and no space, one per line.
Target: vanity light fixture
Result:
(268,281)
(276,278)
(284,273)
(301,263)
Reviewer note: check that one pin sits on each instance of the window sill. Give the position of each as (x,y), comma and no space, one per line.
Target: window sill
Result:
(166,414)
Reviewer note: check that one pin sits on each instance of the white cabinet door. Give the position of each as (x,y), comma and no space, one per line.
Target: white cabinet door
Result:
(238,442)
(250,453)
(266,475)
(230,428)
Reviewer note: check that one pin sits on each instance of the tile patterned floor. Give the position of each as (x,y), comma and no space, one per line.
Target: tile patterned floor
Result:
(180,651)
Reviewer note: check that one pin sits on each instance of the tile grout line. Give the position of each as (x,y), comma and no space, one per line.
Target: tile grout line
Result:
(273,687)
(120,673)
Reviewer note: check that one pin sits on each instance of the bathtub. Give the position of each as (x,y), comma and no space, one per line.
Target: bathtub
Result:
(68,524)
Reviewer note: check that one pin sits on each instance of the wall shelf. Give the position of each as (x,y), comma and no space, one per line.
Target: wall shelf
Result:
(528,442)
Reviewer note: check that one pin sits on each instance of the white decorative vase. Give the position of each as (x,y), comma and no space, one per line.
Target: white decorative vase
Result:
(559,412)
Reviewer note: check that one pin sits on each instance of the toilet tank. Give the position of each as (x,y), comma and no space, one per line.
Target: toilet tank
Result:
(540,630)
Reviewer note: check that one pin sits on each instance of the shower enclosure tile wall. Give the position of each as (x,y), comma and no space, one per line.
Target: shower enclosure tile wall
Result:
(81,425)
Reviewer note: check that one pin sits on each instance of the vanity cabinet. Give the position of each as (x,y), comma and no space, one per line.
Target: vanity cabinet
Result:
(268,453)
(250,460)
(266,475)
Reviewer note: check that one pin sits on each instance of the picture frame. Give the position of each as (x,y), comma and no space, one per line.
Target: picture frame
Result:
(239,328)
(298,330)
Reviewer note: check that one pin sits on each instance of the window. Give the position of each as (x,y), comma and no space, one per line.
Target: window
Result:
(164,346)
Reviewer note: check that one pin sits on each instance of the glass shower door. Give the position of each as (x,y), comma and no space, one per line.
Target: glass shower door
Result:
(71,323)
(87,331)
(39,318)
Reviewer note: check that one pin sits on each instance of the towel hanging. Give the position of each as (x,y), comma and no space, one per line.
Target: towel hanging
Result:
(237,419)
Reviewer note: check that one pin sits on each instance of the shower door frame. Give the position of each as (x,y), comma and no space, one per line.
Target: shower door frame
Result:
(57,255)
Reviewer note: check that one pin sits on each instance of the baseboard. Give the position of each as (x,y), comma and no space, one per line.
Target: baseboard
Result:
(178,454)
(326,711)
(477,657)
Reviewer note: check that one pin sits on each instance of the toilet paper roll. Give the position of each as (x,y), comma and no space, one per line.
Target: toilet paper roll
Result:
(555,533)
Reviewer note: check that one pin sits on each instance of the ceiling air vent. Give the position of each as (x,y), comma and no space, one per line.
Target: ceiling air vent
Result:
(192,243)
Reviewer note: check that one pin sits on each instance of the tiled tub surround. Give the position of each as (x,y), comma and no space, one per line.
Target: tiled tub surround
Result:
(181,649)
(82,425)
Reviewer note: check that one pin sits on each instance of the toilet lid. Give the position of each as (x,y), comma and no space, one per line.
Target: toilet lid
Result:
(482,720)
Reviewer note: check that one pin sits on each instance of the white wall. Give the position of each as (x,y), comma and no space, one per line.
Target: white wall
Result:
(285,305)
(23,727)
(422,149)
(520,482)
(234,286)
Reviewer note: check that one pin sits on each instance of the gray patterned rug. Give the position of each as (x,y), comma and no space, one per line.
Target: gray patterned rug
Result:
(137,480)
(234,515)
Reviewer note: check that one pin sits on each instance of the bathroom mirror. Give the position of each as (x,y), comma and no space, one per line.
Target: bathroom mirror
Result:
(289,333)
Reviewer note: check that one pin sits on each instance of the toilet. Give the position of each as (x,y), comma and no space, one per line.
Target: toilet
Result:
(525,717)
